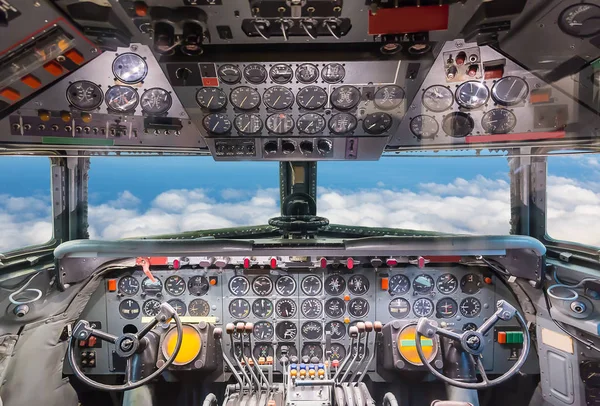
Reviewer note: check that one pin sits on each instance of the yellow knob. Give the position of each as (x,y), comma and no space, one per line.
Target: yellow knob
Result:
(86,117)
(65,116)
(44,115)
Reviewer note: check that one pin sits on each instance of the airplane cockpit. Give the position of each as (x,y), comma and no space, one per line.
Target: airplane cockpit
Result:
(300,202)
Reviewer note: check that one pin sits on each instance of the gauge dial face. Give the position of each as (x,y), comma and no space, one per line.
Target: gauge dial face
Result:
(446,308)
(151,288)
(281,73)
(338,352)
(262,308)
(470,307)
(285,285)
(389,97)
(472,94)
(423,284)
(424,127)
(199,308)
(211,98)
(457,124)
(311,123)
(121,99)
(280,123)
(263,330)
(358,284)
(342,123)
(580,20)
(312,330)
(345,97)
(229,74)
(286,330)
(498,121)
(336,328)
(239,285)
(312,351)
(248,124)
(290,350)
(156,101)
(129,309)
(175,285)
(198,285)
(239,308)
(312,308)
(128,285)
(377,123)
(129,68)
(307,73)
(398,285)
(262,286)
(244,98)
(217,123)
(335,285)
(358,307)
(255,73)
(423,307)
(84,95)
(437,98)
(179,306)
(470,284)
(285,308)
(447,283)
(399,308)
(510,90)
(469,327)
(151,307)
(311,285)
(262,350)
(311,97)
(335,307)
(278,98)
(333,73)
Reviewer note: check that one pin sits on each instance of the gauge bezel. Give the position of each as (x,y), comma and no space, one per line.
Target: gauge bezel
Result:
(312,322)
(566,29)
(263,277)
(130,82)
(408,308)
(342,288)
(129,277)
(184,306)
(136,305)
(286,322)
(128,110)
(169,102)
(341,78)
(287,92)
(488,113)
(288,67)
(414,284)
(267,324)
(97,89)
(349,107)
(199,301)
(329,323)
(319,89)
(260,315)
(365,281)
(151,291)
(470,106)
(172,277)
(311,277)
(288,116)
(310,315)
(294,308)
(144,307)
(394,106)
(378,132)
(286,293)
(437,283)
(436,110)
(423,299)
(221,116)
(235,125)
(342,304)
(421,136)
(440,315)
(239,277)
(212,88)
(252,90)
(319,129)
(196,277)
(470,316)
(299,77)
(237,316)
(239,76)
(356,299)
(452,116)
(333,131)
(399,276)
(262,68)
(502,102)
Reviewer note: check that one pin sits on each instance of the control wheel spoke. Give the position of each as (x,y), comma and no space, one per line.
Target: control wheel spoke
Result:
(83,331)
(476,360)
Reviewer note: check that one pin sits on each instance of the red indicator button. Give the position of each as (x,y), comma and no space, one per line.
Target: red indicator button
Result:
(323,262)
(246,263)
(385,283)
(391,262)
(350,263)
(487,280)
(502,337)
(212,82)
(176,264)
(421,262)
(111,285)
(273,262)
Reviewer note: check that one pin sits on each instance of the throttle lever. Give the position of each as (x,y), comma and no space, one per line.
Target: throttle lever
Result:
(368,329)
(218,335)
(360,329)
(377,328)
(230,328)
(353,333)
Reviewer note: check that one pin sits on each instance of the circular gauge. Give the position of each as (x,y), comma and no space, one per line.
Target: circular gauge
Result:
(229,74)
(423,307)
(84,95)
(338,352)
(244,98)
(175,285)
(469,327)
(211,98)
(239,308)
(179,306)
(312,330)
(151,288)
(472,94)
(423,284)
(307,73)
(199,308)
(239,285)
(255,73)
(281,73)
(333,73)
(280,123)
(290,349)
(121,99)
(510,90)
(263,330)
(129,68)
(278,98)
(191,343)
(198,285)
(285,308)
(312,351)
(335,307)
(399,308)
(377,123)
(408,350)
(470,307)
(217,123)
(262,286)
(358,284)
(424,127)
(311,123)
(335,285)
(311,97)
(580,20)
(285,285)
(470,284)
(262,350)
(151,307)
(498,121)
(389,97)
(286,330)
(129,309)
(262,308)
(128,285)
(345,97)
(437,98)
(156,101)
(336,328)
(312,308)
(457,124)
(447,283)
(398,285)
(446,308)
(358,307)
(311,285)
(248,124)
(342,123)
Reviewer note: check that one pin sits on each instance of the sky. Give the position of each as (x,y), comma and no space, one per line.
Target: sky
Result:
(139,196)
